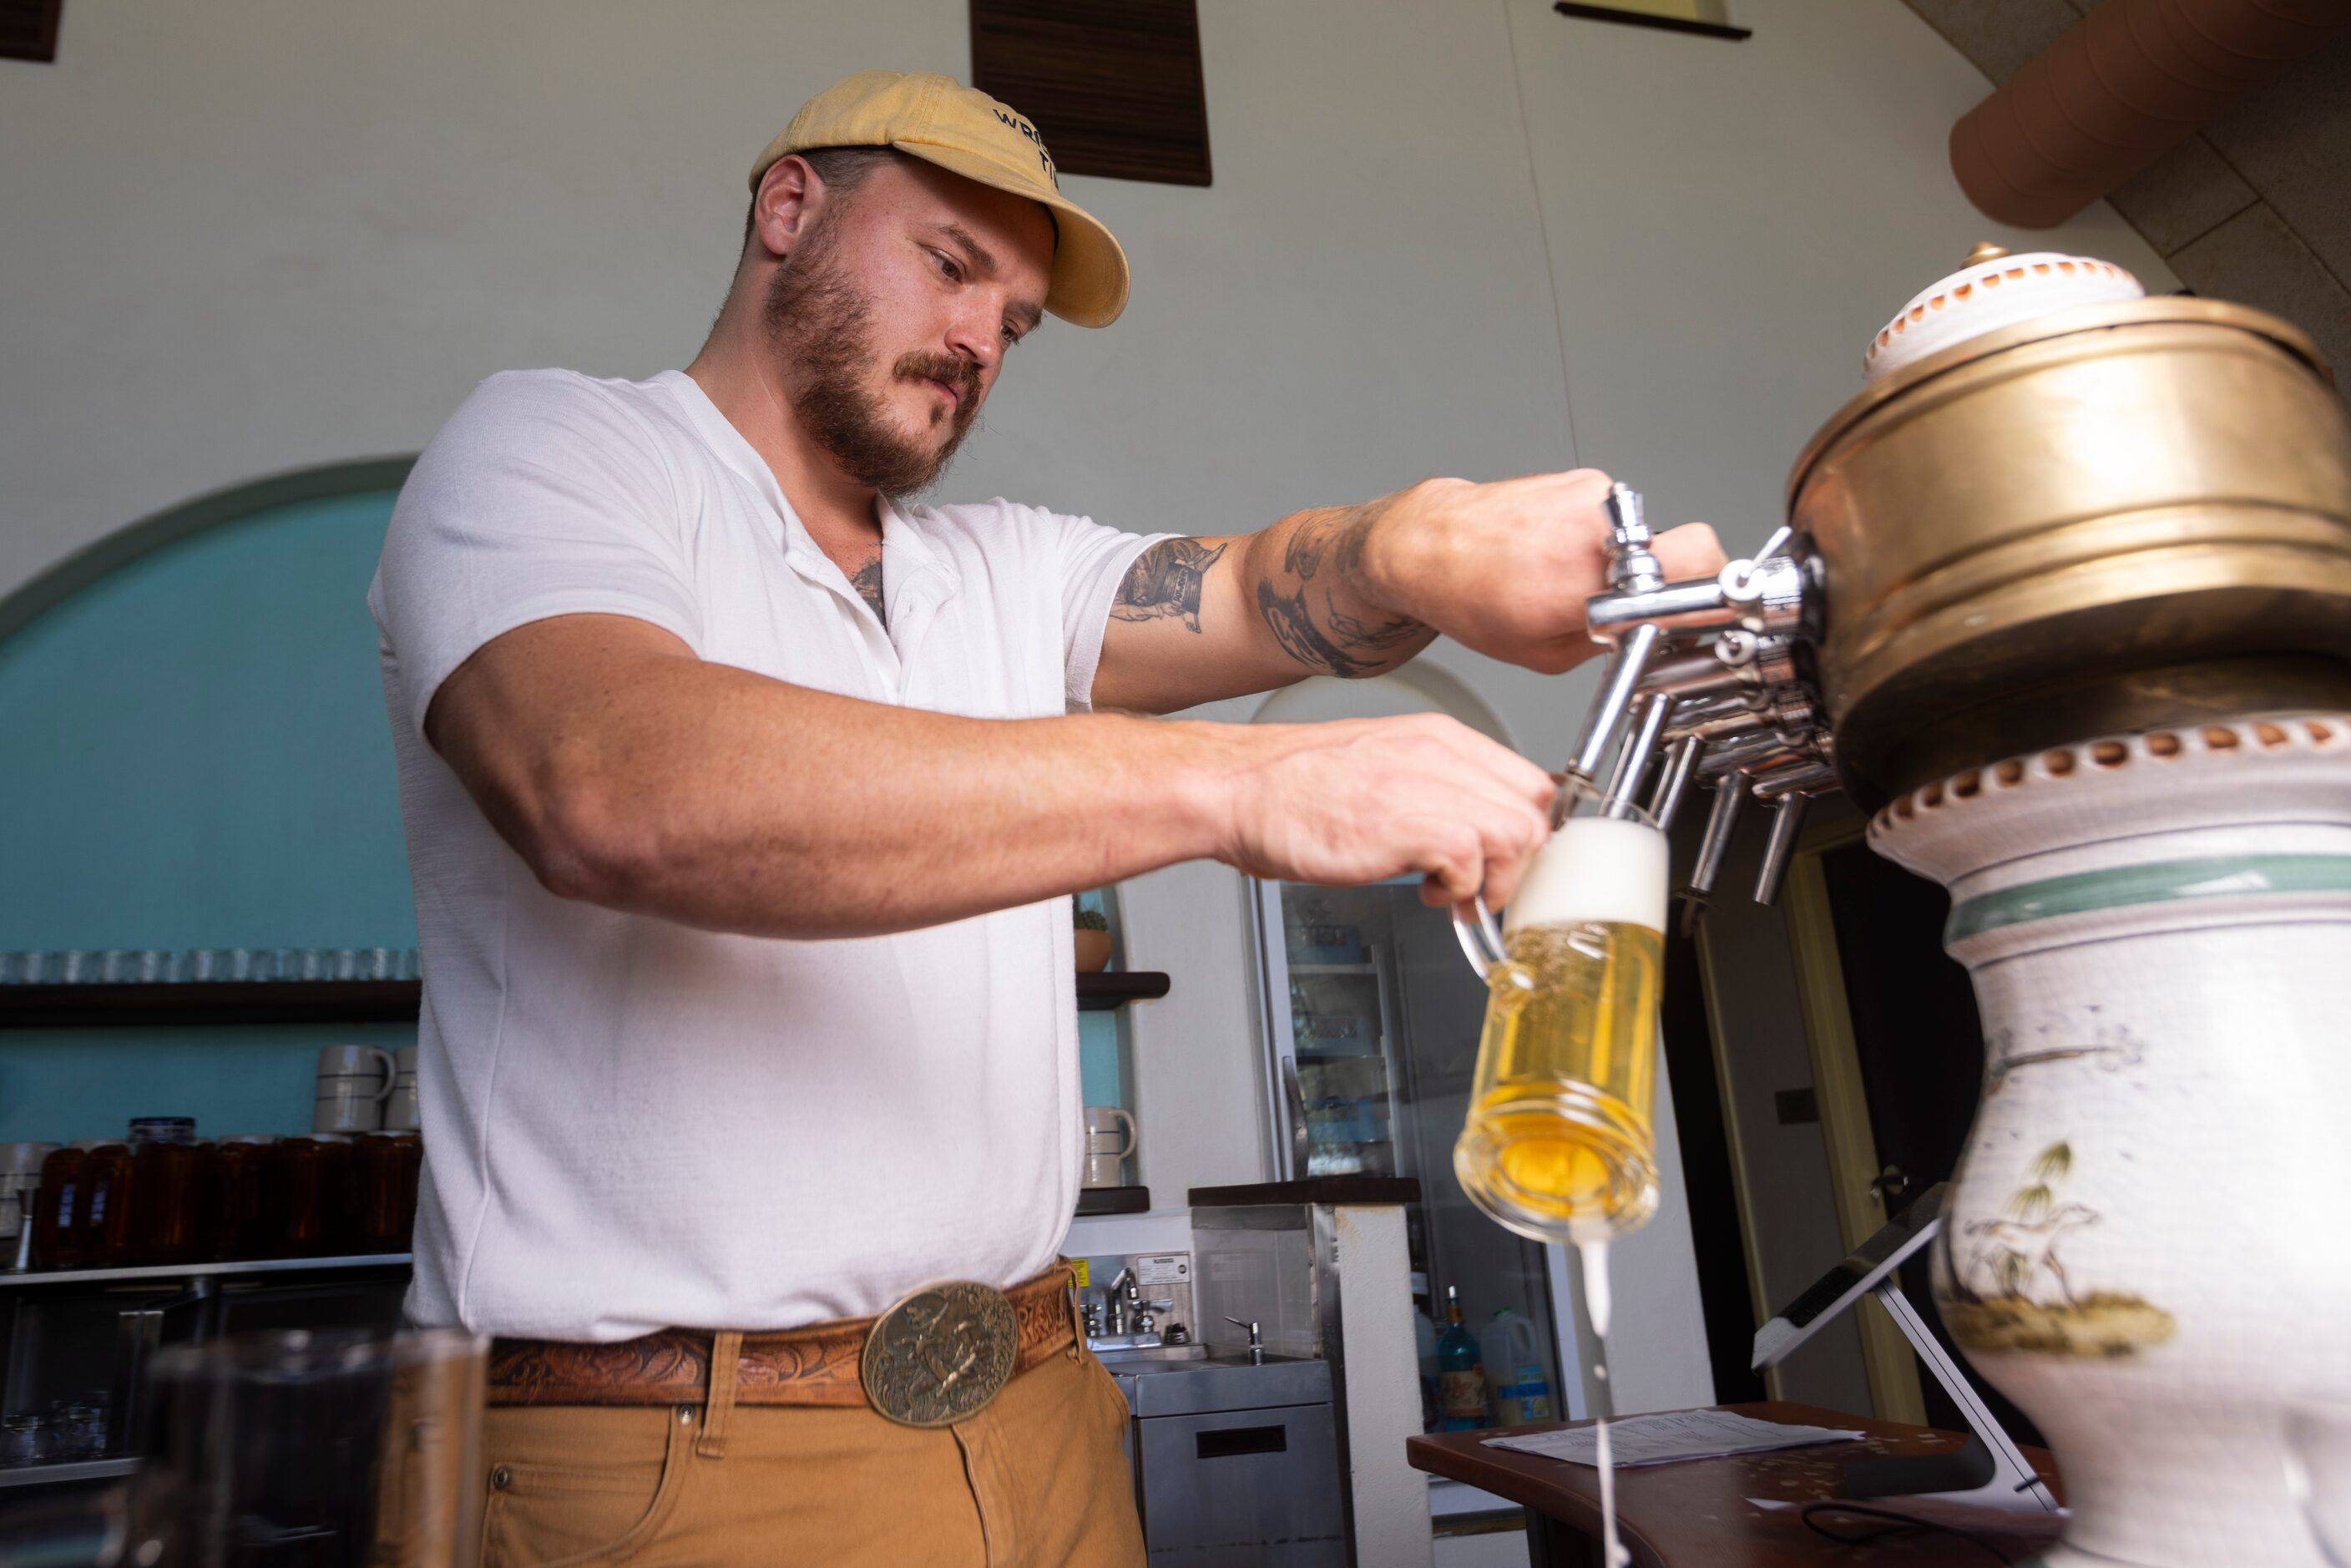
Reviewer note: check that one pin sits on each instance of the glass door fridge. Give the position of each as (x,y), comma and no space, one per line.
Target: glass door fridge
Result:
(1373,1018)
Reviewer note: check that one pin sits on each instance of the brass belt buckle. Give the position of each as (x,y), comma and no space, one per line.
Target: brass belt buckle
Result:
(940,1354)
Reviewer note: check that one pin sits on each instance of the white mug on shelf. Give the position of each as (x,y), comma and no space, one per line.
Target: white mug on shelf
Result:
(400,1112)
(1110,1138)
(354,1080)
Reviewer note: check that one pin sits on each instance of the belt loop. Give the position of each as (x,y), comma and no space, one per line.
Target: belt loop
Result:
(1077,1319)
(725,1364)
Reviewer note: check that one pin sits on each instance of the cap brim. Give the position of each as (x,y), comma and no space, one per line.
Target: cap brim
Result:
(1089,278)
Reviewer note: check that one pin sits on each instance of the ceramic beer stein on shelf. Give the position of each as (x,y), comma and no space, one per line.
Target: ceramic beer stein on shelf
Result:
(1110,1139)
(399,1109)
(354,1080)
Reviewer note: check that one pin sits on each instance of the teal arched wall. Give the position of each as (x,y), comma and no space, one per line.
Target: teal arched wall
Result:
(193,753)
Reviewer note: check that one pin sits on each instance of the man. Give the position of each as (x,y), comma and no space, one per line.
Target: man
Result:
(743,800)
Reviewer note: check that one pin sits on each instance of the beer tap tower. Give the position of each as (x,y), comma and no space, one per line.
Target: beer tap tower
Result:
(2063,598)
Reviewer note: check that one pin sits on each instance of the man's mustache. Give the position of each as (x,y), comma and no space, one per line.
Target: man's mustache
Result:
(957,371)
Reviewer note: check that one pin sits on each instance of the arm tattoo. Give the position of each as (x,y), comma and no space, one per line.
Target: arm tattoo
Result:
(1166,581)
(1293,627)
(868,583)
(1332,643)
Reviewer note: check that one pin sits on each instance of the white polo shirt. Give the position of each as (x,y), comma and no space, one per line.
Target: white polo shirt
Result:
(630,1125)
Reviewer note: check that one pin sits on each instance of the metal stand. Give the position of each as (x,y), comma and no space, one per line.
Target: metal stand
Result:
(1990,1472)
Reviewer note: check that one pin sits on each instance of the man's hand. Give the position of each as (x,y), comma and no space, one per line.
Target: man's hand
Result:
(1505,568)
(1364,800)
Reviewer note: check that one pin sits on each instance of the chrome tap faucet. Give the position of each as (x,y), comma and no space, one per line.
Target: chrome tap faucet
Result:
(1708,674)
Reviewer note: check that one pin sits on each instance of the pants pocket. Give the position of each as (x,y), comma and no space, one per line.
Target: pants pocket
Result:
(1115,1413)
(554,1514)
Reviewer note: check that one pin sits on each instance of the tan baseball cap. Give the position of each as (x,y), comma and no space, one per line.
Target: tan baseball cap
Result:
(940,120)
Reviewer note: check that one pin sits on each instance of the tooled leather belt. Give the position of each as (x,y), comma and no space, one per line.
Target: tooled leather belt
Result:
(934,1357)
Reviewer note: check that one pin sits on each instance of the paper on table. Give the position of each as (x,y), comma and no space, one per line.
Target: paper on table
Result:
(1675,1435)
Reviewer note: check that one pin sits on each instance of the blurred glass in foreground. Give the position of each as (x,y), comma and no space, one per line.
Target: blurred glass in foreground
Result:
(308,1450)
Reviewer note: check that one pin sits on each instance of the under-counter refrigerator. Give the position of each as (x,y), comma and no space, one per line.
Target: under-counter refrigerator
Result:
(1373,1017)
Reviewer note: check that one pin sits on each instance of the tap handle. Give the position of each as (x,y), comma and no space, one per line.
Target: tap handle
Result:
(1612,704)
(1248,1323)
(1627,524)
(1630,564)
(1739,582)
(1729,795)
(1680,767)
(1640,749)
(1787,823)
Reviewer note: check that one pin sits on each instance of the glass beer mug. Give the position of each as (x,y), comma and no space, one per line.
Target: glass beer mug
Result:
(1559,1145)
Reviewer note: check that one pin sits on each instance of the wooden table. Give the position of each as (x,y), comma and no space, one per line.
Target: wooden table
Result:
(1695,1513)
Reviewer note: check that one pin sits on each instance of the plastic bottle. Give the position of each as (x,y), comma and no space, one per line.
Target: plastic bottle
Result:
(1460,1373)
(1513,1358)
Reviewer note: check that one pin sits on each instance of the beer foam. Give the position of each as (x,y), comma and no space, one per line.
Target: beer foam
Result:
(1595,868)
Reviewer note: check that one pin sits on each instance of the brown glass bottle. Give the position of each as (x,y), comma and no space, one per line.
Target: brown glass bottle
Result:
(411,1174)
(320,1213)
(388,1164)
(245,1197)
(56,1241)
(170,1181)
(105,1214)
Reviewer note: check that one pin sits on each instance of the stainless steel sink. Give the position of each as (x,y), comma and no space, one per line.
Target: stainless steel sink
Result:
(1216,1379)
(1141,1359)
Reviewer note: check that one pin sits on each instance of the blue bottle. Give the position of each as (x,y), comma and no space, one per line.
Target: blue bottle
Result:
(1460,1373)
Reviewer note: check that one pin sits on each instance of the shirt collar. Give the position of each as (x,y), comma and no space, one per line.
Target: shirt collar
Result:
(736,452)
(909,552)
(906,551)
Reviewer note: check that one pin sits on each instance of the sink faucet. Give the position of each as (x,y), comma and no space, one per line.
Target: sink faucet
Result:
(1123,1299)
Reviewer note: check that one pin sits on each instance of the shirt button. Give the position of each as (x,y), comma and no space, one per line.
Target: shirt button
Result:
(502,1477)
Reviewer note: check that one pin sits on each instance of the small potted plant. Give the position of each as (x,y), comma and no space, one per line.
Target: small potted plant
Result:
(1092,934)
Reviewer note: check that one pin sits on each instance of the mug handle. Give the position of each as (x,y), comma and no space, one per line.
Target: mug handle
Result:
(1481,943)
(391,1071)
(1132,1136)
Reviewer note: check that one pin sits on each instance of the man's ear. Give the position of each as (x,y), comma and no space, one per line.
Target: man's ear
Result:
(791,194)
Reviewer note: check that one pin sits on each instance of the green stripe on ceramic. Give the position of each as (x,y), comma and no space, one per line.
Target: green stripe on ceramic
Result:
(2158,881)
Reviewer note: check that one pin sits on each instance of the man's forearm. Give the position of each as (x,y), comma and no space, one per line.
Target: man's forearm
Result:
(658,784)
(1304,579)
(1504,568)
(629,774)
(1199,619)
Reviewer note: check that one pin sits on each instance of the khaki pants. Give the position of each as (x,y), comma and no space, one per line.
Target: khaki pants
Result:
(1038,1477)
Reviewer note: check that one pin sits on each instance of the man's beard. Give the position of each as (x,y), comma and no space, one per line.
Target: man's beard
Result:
(821,324)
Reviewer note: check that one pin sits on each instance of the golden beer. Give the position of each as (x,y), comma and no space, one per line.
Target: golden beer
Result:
(1558,1145)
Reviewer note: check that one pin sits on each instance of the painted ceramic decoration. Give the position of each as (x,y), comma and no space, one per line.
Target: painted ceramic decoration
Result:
(2146,1246)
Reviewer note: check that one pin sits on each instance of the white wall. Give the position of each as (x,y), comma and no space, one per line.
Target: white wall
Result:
(1461,236)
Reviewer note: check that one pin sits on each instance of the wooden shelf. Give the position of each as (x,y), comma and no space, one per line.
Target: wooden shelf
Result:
(1312,1189)
(134,1004)
(131,1003)
(1093,1200)
(168,1271)
(1114,987)
(71,1471)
